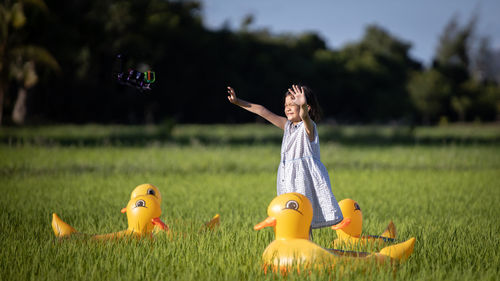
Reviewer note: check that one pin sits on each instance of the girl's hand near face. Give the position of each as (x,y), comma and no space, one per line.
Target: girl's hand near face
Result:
(301,101)
(298,94)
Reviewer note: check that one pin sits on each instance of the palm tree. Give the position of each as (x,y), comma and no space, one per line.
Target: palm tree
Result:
(18,60)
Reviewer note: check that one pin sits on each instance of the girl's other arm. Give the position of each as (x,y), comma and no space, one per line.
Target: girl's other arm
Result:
(307,122)
(276,120)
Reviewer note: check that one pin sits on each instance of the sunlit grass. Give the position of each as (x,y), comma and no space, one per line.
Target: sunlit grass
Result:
(444,195)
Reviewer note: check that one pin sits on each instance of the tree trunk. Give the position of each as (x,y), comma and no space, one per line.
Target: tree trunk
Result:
(19,112)
(426,119)
(461,116)
(1,101)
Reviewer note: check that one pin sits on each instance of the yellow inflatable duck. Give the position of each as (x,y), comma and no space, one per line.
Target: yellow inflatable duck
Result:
(290,215)
(146,189)
(351,234)
(149,189)
(143,214)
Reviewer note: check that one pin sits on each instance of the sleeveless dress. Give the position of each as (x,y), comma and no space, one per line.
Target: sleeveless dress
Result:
(301,171)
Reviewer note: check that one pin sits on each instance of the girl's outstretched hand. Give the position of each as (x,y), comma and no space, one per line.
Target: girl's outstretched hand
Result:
(232,96)
(278,121)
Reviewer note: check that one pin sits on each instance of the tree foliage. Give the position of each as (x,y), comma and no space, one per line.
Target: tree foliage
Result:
(429,92)
(452,88)
(370,80)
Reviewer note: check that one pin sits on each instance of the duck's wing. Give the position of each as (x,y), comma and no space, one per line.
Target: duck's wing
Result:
(213,223)
(390,231)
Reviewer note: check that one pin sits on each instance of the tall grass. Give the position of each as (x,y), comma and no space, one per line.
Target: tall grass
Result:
(445,195)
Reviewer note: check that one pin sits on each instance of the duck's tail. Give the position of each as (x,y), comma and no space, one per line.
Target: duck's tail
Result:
(390,231)
(61,229)
(400,251)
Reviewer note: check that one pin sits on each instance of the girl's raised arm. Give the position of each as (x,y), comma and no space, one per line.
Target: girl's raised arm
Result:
(276,120)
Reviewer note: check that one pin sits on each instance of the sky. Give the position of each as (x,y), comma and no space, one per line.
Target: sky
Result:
(419,22)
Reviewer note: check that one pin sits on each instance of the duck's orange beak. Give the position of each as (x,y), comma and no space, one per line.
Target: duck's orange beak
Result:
(270,221)
(158,222)
(124,210)
(345,222)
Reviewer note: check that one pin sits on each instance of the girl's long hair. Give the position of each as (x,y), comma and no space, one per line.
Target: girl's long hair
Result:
(315,112)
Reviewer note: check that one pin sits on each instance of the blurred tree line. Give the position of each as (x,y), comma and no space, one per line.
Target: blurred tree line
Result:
(58,58)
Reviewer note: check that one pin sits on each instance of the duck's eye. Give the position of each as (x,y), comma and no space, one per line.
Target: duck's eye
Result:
(292,204)
(356,206)
(140,203)
(151,192)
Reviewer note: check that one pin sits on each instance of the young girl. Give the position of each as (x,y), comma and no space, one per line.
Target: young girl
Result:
(300,169)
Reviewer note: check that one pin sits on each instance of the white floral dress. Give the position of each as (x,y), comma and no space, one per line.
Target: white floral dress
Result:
(301,171)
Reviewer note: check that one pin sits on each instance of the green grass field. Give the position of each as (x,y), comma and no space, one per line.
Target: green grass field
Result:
(441,186)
